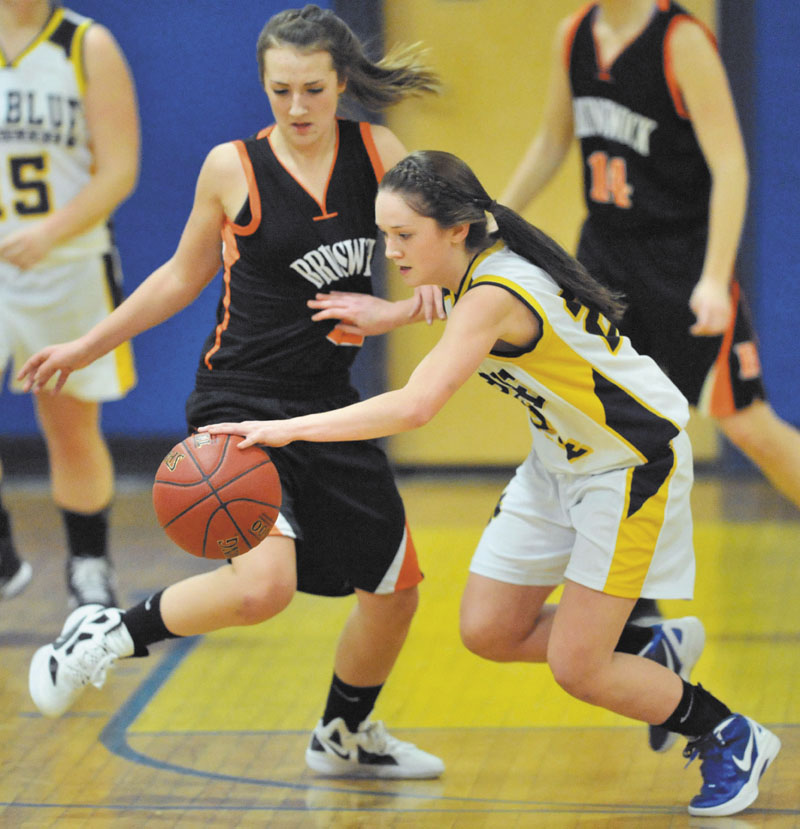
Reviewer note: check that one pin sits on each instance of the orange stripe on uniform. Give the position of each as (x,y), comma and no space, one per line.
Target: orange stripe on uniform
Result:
(569,36)
(372,150)
(230,254)
(669,72)
(722,403)
(252,193)
(338,337)
(410,574)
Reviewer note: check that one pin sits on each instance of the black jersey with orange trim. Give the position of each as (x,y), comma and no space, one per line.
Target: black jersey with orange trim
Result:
(283,248)
(642,162)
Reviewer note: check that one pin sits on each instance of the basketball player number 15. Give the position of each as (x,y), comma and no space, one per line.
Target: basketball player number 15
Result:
(27,175)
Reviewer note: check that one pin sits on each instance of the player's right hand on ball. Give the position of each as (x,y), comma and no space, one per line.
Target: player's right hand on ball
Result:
(63,358)
(267,432)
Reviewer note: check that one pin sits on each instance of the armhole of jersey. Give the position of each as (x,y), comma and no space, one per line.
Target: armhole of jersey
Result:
(669,72)
(77,55)
(525,298)
(569,38)
(372,150)
(252,193)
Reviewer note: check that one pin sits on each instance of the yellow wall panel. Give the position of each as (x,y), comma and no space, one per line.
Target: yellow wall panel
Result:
(494,58)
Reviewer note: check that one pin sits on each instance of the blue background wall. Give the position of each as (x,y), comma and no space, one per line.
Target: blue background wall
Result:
(195,70)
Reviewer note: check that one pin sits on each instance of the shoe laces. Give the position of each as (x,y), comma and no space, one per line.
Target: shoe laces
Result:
(92,662)
(375,737)
(710,748)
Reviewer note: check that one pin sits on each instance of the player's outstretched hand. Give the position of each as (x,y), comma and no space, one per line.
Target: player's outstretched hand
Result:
(362,314)
(63,358)
(711,304)
(428,300)
(268,432)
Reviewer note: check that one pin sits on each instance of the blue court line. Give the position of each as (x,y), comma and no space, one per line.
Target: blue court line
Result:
(115,738)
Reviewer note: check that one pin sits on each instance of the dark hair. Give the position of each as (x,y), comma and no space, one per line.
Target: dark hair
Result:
(375,85)
(441,186)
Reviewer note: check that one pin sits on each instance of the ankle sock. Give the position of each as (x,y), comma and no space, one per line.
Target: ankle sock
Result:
(87,533)
(634,639)
(350,702)
(145,624)
(697,713)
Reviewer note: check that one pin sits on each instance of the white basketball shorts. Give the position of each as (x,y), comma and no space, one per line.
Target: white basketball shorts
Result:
(41,307)
(626,532)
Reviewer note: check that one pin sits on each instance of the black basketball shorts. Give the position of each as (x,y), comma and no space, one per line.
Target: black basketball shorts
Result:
(657,273)
(340,500)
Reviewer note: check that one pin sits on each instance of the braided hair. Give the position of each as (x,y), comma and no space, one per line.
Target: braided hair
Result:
(442,187)
(375,85)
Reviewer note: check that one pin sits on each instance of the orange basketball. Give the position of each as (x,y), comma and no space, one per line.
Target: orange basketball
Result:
(215,500)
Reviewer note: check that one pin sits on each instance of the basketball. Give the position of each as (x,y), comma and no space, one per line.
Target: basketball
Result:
(215,500)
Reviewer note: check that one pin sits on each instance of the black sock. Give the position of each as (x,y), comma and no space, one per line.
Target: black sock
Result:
(9,561)
(634,639)
(697,713)
(145,624)
(87,534)
(352,703)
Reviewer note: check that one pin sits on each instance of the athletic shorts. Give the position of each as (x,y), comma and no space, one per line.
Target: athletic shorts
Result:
(626,532)
(41,307)
(657,272)
(340,502)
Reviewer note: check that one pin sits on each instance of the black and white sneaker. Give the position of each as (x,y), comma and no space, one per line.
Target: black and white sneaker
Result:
(14,584)
(92,639)
(370,752)
(91,580)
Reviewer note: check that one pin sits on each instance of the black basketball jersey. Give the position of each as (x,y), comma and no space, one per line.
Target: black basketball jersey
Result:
(283,248)
(642,164)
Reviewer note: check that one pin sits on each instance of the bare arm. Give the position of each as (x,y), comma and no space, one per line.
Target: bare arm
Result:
(113,121)
(169,289)
(551,143)
(481,317)
(706,92)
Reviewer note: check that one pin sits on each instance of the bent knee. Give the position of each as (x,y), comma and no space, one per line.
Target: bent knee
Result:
(483,640)
(259,602)
(573,676)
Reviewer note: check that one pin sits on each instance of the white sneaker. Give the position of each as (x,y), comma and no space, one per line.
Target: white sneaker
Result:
(370,752)
(17,583)
(92,639)
(91,580)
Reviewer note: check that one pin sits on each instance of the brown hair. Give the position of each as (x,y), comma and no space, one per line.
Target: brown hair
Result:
(375,85)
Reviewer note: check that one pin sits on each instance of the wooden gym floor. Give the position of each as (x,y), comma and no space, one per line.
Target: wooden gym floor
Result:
(211,731)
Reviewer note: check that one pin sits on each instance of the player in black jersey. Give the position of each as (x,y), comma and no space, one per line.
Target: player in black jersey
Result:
(291,211)
(641,85)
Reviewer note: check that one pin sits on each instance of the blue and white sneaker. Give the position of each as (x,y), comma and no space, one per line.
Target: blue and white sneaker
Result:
(92,639)
(733,757)
(677,645)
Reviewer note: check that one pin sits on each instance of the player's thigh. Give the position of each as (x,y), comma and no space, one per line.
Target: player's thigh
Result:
(528,540)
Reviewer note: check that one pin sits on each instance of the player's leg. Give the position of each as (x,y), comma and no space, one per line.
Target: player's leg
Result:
(82,483)
(254,588)
(771,443)
(15,574)
(346,742)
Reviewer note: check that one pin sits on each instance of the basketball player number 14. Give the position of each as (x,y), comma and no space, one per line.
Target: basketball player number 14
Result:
(609,180)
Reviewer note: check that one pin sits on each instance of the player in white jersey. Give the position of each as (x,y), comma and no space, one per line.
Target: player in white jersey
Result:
(69,138)
(602,502)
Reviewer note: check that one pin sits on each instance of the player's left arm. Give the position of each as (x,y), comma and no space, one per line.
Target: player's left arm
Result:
(706,93)
(478,321)
(113,122)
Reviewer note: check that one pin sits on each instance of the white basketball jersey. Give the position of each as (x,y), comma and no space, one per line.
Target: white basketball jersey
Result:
(594,403)
(44,138)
